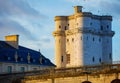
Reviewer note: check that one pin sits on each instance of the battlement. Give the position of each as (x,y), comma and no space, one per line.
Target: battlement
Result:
(60,18)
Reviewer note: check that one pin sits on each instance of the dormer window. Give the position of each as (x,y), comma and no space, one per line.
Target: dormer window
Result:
(9,58)
(40,59)
(16,57)
(34,60)
(28,57)
(21,59)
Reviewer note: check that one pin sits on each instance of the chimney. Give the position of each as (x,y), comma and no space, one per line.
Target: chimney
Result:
(77,9)
(12,40)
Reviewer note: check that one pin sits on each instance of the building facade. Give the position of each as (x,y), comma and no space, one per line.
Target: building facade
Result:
(83,39)
(16,58)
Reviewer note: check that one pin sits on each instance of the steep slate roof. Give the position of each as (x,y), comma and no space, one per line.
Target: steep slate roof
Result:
(7,54)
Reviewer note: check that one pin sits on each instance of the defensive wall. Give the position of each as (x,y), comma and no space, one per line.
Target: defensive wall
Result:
(86,74)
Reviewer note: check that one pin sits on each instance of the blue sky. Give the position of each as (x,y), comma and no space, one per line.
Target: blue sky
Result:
(33,20)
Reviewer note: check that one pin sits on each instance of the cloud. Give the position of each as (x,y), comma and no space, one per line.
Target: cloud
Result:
(18,8)
(12,27)
(18,17)
(111,7)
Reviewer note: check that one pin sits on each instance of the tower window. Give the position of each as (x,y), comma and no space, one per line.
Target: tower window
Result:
(100,60)
(65,28)
(101,27)
(59,40)
(77,23)
(72,39)
(93,39)
(91,23)
(107,26)
(81,37)
(110,56)
(87,37)
(67,40)
(59,27)
(68,58)
(68,24)
(99,39)
(61,58)
(93,59)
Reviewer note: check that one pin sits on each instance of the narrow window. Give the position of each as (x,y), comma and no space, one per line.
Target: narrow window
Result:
(110,56)
(93,39)
(99,39)
(67,40)
(59,40)
(107,26)
(87,37)
(91,23)
(68,58)
(59,27)
(68,24)
(81,37)
(101,27)
(61,58)
(72,39)
(93,59)
(65,28)
(9,68)
(77,23)
(100,60)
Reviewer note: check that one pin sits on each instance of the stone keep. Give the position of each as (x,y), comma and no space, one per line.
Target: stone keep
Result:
(83,39)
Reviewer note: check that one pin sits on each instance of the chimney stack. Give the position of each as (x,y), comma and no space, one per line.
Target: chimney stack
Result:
(78,9)
(12,40)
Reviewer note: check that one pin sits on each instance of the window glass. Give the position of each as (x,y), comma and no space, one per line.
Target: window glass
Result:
(9,69)
(22,69)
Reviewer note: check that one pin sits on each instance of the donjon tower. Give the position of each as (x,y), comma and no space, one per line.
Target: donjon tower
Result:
(83,39)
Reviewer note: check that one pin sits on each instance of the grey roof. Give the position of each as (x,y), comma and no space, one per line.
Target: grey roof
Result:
(7,54)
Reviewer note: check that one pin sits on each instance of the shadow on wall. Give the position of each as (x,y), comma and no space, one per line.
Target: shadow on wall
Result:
(116,81)
(86,82)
